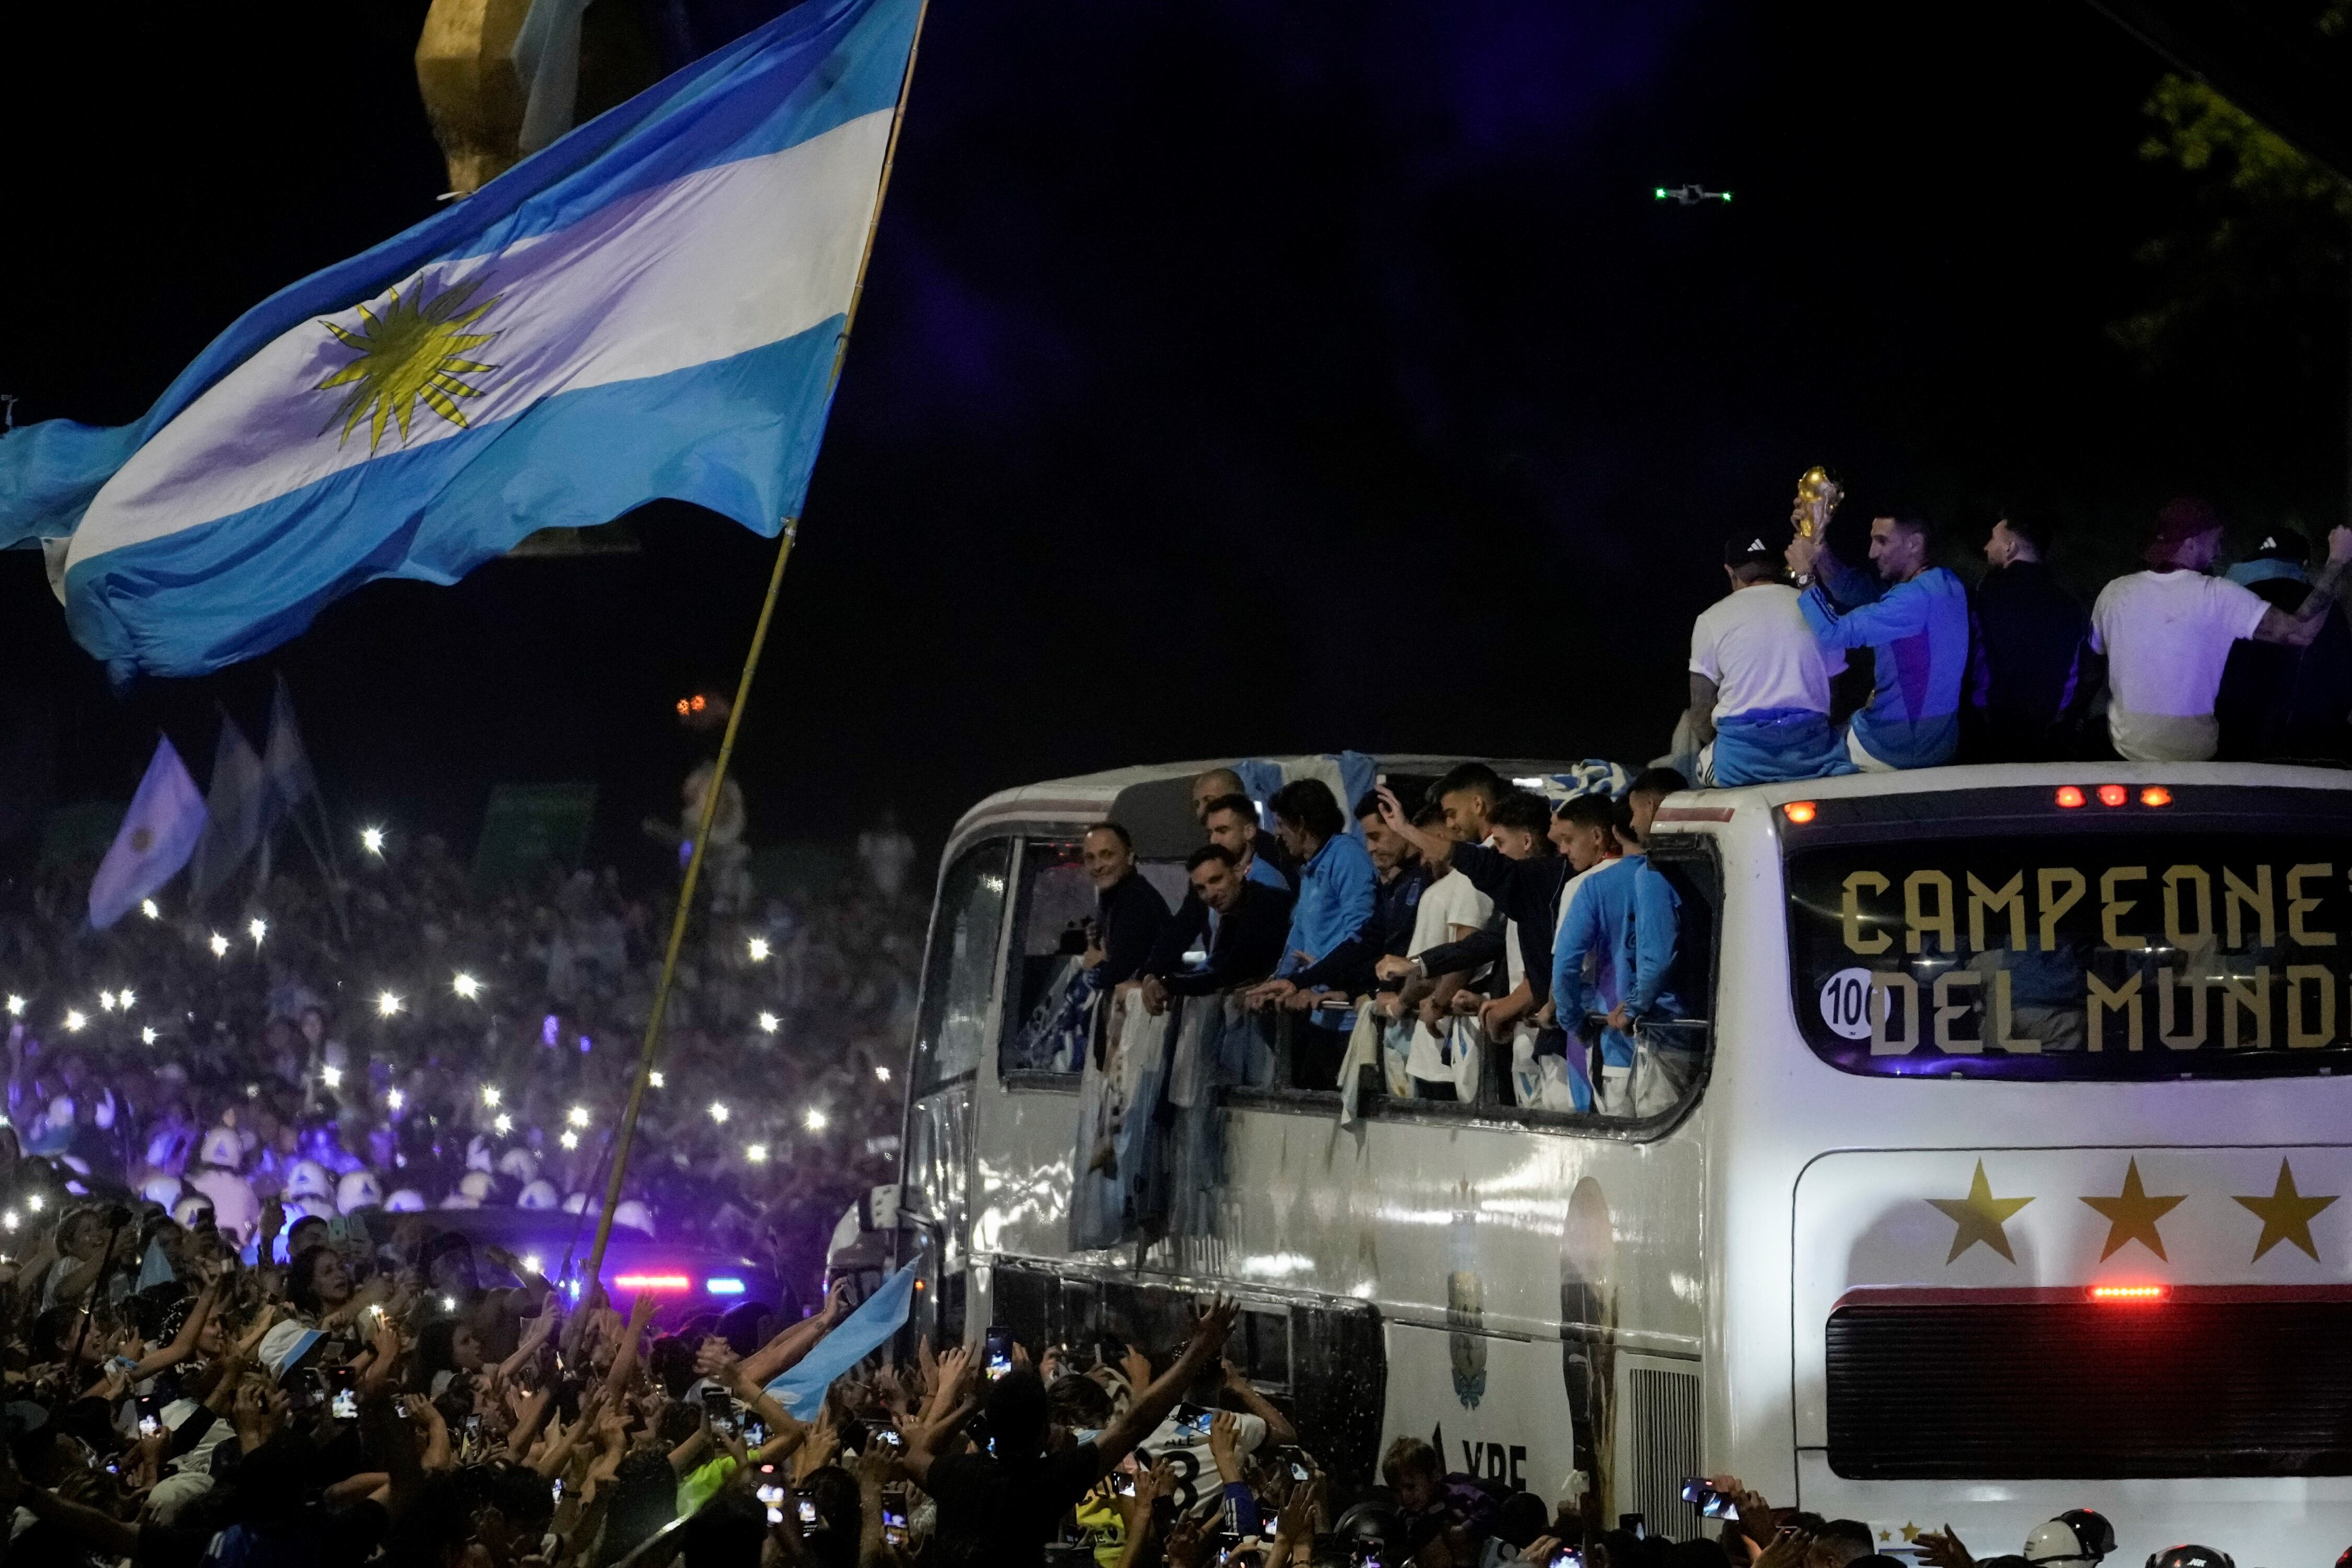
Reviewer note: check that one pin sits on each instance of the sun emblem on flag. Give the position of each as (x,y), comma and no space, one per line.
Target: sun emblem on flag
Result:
(415,351)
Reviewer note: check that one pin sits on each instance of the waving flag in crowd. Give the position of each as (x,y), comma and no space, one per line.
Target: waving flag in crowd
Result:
(158,835)
(649,309)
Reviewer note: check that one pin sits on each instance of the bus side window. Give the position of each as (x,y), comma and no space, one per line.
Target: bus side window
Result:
(1697,881)
(959,978)
(1047,939)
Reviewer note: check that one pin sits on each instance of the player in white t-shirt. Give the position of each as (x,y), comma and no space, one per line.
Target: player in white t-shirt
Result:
(2167,632)
(1760,680)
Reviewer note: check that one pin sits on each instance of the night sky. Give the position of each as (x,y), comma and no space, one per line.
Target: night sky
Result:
(1232,378)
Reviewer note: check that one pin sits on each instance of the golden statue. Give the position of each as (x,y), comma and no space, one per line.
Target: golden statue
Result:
(1817,497)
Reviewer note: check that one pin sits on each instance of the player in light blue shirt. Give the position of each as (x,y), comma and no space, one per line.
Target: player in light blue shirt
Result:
(1918,633)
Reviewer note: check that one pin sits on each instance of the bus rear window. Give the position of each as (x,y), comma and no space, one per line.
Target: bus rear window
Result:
(2089,956)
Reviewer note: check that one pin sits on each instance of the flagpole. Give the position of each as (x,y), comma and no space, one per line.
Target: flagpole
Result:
(626,1135)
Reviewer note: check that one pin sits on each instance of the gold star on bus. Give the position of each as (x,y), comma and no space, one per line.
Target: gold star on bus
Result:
(2131,1215)
(2286,1215)
(413,352)
(1979,1217)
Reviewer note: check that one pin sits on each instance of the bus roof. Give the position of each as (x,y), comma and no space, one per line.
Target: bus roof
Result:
(1153,800)
(1696,807)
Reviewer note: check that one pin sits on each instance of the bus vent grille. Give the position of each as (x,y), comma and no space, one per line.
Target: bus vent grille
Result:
(2244,1385)
(1665,1449)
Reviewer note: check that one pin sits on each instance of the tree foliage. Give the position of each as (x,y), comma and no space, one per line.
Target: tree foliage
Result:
(2270,246)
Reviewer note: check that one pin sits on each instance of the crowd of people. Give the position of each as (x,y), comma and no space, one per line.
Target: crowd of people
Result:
(396,1036)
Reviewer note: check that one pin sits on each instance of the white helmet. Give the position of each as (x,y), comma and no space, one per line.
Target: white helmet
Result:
(2079,1535)
(359,1190)
(574,1203)
(477,1186)
(461,1201)
(519,1163)
(162,1187)
(539,1194)
(309,1179)
(408,1200)
(222,1148)
(478,1154)
(189,1206)
(635,1216)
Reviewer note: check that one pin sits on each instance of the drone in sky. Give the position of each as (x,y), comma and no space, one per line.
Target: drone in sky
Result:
(1691,196)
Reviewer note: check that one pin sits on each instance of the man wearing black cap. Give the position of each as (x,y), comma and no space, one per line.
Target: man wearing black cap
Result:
(2026,653)
(1759,684)
(2285,703)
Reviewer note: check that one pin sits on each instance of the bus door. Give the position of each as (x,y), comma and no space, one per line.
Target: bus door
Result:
(952,1024)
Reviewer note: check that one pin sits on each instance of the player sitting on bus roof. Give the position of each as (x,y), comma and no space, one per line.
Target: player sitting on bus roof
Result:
(1918,635)
(2278,703)
(2027,651)
(1129,911)
(2167,632)
(1760,680)
(1239,924)
(1333,914)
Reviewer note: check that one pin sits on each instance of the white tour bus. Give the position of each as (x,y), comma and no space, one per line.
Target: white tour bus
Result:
(2011,1182)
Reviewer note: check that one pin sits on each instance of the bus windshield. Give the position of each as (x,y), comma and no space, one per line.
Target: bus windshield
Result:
(2163,954)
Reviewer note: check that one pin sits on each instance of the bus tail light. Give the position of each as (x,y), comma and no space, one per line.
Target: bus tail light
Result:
(2156,794)
(2129,1295)
(2113,794)
(2070,796)
(1799,812)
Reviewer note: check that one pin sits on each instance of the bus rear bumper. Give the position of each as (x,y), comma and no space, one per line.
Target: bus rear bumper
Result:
(2260,1522)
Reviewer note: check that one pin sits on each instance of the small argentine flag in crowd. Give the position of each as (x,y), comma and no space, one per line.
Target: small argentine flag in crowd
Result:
(650,308)
(158,835)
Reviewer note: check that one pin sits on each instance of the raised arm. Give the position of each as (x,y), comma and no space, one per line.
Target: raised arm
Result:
(784,1353)
(1152,1406)
(2299,628)
(184,1343)
(624,1358)
(1278,1429)
(1897,615)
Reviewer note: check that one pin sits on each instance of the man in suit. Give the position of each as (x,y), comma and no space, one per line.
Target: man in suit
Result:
(1237,923)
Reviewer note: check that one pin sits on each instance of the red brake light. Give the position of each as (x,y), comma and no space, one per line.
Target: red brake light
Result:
(1799,811)
(2129,1295)
(2156,794)
(2113,794)
(2070,796)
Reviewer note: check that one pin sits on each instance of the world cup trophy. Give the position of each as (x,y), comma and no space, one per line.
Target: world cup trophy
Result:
(1818,494)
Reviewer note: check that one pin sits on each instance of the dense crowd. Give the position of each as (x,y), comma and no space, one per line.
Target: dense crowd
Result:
(395,1037)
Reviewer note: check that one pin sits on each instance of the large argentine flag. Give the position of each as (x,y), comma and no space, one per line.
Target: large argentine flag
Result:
(650,308)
